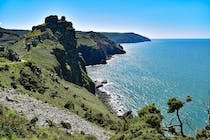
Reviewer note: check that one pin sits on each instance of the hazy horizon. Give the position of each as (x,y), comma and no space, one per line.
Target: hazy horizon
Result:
(154,19)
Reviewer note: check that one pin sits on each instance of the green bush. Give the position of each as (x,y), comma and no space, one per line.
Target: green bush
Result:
(11,55)
(84,107)
(1,110)
(99,118)
(34,120)
(66,125)
(203,134)
(154,120)
(148,109)
(5,68)
(54,94)
(14,85)
(50,123)
(69,105)
(31,81)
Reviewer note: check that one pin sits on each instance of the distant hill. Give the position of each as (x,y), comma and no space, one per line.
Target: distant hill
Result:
(8,37)
(19,32)
(125,37)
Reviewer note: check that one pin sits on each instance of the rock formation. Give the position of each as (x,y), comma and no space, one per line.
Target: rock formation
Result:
(71,66)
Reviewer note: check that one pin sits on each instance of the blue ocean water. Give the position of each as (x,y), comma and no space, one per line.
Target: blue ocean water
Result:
(152,72)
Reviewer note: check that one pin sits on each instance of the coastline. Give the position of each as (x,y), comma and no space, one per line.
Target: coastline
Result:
(104,96)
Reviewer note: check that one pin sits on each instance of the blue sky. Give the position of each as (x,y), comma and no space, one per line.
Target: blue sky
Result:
(152,18)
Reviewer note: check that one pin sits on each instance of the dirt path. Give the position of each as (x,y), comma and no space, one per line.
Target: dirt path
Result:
(30,107)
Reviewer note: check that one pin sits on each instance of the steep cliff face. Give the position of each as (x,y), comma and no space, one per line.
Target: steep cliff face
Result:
(96,48)
(57,39)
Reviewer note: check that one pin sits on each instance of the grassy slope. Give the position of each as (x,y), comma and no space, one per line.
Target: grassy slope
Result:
(16,127)
(42,55)
(84,39)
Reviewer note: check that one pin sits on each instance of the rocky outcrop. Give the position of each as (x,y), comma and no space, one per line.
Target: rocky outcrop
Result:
(96,48)
(71,66)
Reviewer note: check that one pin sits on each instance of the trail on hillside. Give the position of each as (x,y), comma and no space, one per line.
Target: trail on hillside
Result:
(31,107)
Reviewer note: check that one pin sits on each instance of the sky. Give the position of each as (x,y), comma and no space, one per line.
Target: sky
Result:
(151,18)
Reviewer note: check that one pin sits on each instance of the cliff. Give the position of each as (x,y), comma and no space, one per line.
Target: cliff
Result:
(45,63)
(126,37)
(96,48)
(54,42)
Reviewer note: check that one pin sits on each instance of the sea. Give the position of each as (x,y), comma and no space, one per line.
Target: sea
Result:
(153,72)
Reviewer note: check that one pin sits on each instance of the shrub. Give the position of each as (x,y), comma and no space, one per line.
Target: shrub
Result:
(11,55)
(34,120)
(99,118)
(50,123)
(113,127)
(1,110)
(154,120)
(88,115)
(12,77)
(31,81)
(13,84)
(66,125)
(84,107)
(6,67)
(54,94)
(69,105)
(148,109)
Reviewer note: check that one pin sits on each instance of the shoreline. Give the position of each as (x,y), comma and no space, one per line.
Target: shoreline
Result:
(104,96)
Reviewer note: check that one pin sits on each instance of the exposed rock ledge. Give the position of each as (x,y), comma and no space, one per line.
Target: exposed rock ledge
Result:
(30,107)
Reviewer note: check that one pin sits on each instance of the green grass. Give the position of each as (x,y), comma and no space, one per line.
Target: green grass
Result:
(42,56)
(15,127)
(34,33)
(84,39)
(37,32)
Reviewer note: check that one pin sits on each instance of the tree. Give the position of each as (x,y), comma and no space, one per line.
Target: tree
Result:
(175,105)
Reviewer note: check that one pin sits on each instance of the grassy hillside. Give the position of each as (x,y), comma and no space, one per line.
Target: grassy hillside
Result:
(40,73)
(19,32)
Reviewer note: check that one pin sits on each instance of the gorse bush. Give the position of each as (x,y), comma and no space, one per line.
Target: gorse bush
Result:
(30,78)
(203,134)
(4,68)
(10,55)
(147,125)
(1,110)
(54,94)
(34,120)
(69,105)
(148,109)
(66,125)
